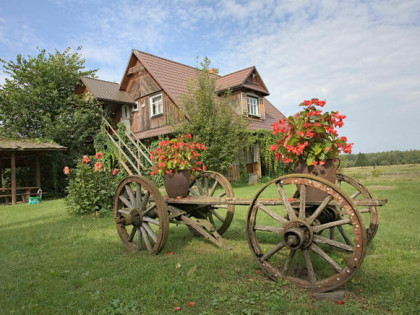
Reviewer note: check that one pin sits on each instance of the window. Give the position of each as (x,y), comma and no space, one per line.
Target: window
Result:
(156,105)
(136,106)
(252,103)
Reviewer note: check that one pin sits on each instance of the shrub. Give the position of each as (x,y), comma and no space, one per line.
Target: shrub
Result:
(91,186)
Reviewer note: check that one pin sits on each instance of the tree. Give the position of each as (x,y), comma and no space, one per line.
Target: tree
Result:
(212,120)
(362,160)
(38,101)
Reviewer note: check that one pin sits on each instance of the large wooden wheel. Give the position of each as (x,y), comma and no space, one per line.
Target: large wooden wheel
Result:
(290,236)
(212,184)
(356,190)
(141,215)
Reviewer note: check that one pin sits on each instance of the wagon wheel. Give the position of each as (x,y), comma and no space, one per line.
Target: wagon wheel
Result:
(212,184)
(285,234)
(370,214)
(141,215)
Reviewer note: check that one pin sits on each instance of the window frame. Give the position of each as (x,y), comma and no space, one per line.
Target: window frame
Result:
(159,108)
(256,106)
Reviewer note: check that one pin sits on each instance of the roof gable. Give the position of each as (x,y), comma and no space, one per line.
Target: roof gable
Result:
(245,78)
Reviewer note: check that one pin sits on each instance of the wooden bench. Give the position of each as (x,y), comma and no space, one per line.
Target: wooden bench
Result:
(23,192)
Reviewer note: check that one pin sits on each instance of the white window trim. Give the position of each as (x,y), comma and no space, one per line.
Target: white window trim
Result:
(136,106)
(151,105)
(256,107)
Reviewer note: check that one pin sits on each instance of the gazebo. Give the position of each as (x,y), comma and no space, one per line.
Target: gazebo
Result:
(22,153)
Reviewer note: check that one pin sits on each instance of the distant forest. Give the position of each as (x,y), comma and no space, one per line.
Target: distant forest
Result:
(381,158)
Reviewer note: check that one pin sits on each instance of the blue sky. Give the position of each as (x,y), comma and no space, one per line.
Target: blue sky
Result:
(363,57)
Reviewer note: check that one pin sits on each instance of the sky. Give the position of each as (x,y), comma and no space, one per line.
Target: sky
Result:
(362,57)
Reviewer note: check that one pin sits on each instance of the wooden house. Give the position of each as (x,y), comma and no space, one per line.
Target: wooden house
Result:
(149,95)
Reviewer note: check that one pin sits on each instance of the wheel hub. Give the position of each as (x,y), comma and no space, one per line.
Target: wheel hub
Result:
(298,234)
(136,217)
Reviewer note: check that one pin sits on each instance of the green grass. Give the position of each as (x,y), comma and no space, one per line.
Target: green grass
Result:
(55,263)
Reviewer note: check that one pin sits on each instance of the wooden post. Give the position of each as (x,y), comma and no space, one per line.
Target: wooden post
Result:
(13,171)
(37,171)
(1,179)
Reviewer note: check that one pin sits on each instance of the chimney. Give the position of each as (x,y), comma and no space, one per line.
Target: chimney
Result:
(213,71)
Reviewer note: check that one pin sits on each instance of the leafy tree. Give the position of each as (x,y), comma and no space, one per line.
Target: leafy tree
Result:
(38,101)
(212,120)
(362,160)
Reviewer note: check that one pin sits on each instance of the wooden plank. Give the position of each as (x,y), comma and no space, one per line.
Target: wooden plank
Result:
(37,171)
(204,200)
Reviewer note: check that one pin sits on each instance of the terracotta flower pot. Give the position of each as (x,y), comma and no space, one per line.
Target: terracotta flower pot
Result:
(177,184)
(326,171)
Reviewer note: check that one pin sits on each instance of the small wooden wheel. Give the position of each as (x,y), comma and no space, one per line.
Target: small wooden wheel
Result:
(141,215)
(370,214)
(212,184)
(286,237)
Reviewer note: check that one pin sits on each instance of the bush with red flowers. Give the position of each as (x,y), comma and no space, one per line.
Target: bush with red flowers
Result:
(177,155)
(310,135)
(91,185)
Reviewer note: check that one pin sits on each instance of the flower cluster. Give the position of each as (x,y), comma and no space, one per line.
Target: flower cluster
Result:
(310,135)
(97,167)
(177,155)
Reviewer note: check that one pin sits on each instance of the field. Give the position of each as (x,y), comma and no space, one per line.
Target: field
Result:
(55,263)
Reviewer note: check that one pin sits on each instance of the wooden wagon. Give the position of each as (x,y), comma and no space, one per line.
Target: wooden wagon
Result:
(317,245)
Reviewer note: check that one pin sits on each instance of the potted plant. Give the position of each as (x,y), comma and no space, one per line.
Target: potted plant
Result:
(310,140)
(177,160)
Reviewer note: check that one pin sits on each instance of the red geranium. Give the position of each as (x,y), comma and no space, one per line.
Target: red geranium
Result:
(310,135)
(98,155)
(66,170)
(177,155)
(115,171)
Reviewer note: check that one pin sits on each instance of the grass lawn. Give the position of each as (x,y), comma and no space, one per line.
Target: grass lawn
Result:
(55,263)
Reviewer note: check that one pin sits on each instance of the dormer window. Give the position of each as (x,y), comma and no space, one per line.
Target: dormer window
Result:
(156,105)
(252,106)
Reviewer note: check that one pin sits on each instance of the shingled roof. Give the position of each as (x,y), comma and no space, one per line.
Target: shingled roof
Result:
(173,76)
(107,91)
(272,115)
(170,75)
(7,145)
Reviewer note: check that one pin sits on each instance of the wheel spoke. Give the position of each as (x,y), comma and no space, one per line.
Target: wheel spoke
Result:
(126,202)
(150,231)
(130,195)
(332,233)
(222,194)
(266,228)
(355,194)
(289,208)
(346,238)
(193,191)
(272,214)
(133,232)
(309,266)
(321,239)
(217,215)
(365,210)
(320,208)
(322,227)
(302,205)
(206,186)
(272,251)
(148,209)
(150,220)
(210,218)
(199,187)
(325,256)
(138,195)
(138,239)
(213,188)
(145,201)
(146,239)
(288,261)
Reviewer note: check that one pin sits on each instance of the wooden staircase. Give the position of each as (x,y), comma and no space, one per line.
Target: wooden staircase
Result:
(133,155)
